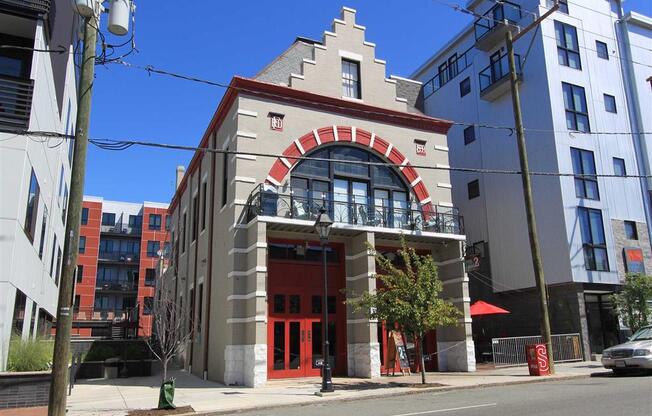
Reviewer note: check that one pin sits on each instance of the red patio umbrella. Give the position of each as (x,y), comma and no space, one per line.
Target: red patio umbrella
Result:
(483,308)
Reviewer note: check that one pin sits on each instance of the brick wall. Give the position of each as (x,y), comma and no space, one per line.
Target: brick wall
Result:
(29,389)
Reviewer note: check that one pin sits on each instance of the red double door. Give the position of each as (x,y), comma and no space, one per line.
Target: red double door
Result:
(295,295)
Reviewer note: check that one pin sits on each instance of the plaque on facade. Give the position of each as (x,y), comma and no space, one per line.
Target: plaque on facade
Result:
(276,121)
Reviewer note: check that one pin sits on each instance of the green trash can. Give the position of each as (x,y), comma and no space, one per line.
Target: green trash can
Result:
(166,396)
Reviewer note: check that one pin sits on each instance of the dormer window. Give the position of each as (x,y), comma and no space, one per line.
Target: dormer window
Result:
(351,79)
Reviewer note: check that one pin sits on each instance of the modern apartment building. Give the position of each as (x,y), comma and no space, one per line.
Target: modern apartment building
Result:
(583,76)
(37,94)
(246,261)
(120,249)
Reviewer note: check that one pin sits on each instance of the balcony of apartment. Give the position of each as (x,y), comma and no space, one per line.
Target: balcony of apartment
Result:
(116,286)
(288,210)
(31,9)
(122,229)
(16,87)
(494,79)
(118,257)
(491,28)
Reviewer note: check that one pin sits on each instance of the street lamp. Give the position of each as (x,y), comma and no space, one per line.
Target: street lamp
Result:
(323,225)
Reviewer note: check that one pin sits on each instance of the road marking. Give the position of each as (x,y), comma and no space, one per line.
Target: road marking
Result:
(452,409)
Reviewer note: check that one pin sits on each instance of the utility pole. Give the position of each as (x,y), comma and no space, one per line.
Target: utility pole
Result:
(57,399)
(537,262)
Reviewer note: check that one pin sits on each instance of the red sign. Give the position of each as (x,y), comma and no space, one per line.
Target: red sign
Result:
(537,359)
(634,260)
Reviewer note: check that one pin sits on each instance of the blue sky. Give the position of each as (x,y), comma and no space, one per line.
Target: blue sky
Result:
(216,40)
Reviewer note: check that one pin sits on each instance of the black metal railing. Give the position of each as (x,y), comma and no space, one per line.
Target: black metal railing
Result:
(121,228)
(15,103)
(497,70)
(495,16)
(26,8)
(354,210)
(447,73)
(117,286)
(119,256)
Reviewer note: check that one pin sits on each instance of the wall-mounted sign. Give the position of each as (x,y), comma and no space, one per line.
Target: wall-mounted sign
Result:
(633,260)
(276,121)
(420,147)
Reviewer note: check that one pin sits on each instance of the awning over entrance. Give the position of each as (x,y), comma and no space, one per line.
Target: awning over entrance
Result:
(483,308)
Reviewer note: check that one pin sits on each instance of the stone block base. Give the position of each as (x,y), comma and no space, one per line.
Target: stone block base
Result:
(456,356)
(245,365)
(363,360)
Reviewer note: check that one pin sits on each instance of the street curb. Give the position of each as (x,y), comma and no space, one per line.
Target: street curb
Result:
(412,391)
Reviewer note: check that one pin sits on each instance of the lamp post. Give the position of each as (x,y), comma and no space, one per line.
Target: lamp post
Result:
(323,225)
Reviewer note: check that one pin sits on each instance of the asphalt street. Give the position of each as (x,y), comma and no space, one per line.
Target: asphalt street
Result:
(595,396)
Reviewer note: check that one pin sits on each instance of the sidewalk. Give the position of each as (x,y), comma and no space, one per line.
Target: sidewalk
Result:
(116,397)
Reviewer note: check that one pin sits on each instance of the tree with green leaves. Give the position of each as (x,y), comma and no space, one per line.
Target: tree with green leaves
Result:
(409,296)
(632,301)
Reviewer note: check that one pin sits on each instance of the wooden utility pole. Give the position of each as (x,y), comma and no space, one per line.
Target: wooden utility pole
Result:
(57,399)
(537,262)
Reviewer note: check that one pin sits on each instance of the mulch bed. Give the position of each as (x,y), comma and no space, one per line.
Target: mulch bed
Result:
(162,412)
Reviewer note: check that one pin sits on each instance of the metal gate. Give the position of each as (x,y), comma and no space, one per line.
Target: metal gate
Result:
(511,351)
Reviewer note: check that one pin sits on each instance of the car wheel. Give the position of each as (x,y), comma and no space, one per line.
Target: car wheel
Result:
(619,372)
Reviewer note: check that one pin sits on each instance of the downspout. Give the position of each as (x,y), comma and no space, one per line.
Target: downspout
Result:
(634,110)
(194,284)
(209,273)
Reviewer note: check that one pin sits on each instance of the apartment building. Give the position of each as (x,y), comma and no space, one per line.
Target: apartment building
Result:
(37,94)
(120,249)
(584,75)
(246,261)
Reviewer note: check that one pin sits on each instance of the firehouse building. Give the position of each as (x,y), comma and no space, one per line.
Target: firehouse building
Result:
(246,261)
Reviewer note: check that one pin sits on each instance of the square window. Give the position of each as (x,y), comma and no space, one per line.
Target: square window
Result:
(150,277)
(469,135)
(148,305)
(295,304)
(465,86)
(473,189)
(279,303)
(154,221)
(630,230)
(108,219)
(619,167)
(610,103)
(602,50)
(153,248)
(563,6)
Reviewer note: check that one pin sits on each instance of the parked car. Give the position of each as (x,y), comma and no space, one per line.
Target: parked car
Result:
(633,355)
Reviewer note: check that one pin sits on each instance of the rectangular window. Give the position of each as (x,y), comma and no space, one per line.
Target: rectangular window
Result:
(465,86)
(351,79)
(75,306)
(84,216)
(584,164)
(563,6)
(64,206)
(225,176)
(183,233)
(630,230)
(152,248)
(593,239)
(108,218)
(195,216)
(473,189)
(568,49)
(82,244)
(168,222)
(80,273)
(619,167)
(60,186)
(602,50)
(148,305)
(44,226)
(54,250)
(469,135)
(150,277)
(32,206)
(58,271)
(205,207)
(200,306)
(610,103)
(154,221)
(135,221)
(577,113)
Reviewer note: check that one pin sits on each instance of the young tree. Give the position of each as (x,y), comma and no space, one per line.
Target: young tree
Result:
(632,301)
(409,295)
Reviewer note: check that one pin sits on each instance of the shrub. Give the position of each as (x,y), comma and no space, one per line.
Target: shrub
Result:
(30,355)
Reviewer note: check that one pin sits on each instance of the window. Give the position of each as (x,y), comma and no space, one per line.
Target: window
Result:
(135,221)
(473,189)
(58,271)
(183,233)
(32,206)
(610,103)
(465,86)
(584,164)
(351,79)
(568,50)
(54,248)
(84,216)
(82,244)
(80,273)
(195,216)
(152,248)
(108,218)
(60,186)
(630,230)
(205,207)
(563,6)
(154,221)
(166,249)
(619,167)
(44,226)
(148,305)
(577,113)
(593,239)
(469,135)
(150,277)
(75,306)
(225,177)
(64,206)
(168,222)
(602,50)
(200,306)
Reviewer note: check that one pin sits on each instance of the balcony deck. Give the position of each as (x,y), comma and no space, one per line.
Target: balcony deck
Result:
(15,103)
(491,28)
(494,79)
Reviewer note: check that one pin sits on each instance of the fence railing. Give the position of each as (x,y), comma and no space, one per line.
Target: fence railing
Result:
(119,256)
(447,72)
(497,70)
(511,351)
(495,16)
(121,228)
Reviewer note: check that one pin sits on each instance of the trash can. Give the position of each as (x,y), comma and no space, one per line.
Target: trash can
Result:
(537,359)
(111,368)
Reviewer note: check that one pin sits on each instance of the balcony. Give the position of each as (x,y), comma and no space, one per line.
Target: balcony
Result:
(494,79)
(32,9)
(447,72)
(15,103)
(116,286)
(354,210)
(99,314)
(491,28)
(121,229)
(118,257)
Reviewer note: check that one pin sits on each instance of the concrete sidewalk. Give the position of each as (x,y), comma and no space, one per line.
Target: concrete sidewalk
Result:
(116,397)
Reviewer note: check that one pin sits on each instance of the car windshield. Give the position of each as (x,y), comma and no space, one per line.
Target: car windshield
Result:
(642,334)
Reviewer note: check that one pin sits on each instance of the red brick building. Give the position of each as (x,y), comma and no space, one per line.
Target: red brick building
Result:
(120,247)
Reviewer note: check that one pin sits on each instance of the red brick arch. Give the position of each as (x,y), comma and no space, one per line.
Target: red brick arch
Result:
(325,135)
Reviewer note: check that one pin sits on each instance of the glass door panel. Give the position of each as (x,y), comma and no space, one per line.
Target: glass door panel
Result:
(359,203)
(299,199)
(381,207)
(294,345)
(279,345)
(320,195)
(341,200)
(400,209)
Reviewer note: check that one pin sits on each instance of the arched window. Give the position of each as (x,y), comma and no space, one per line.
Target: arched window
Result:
(354,193)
